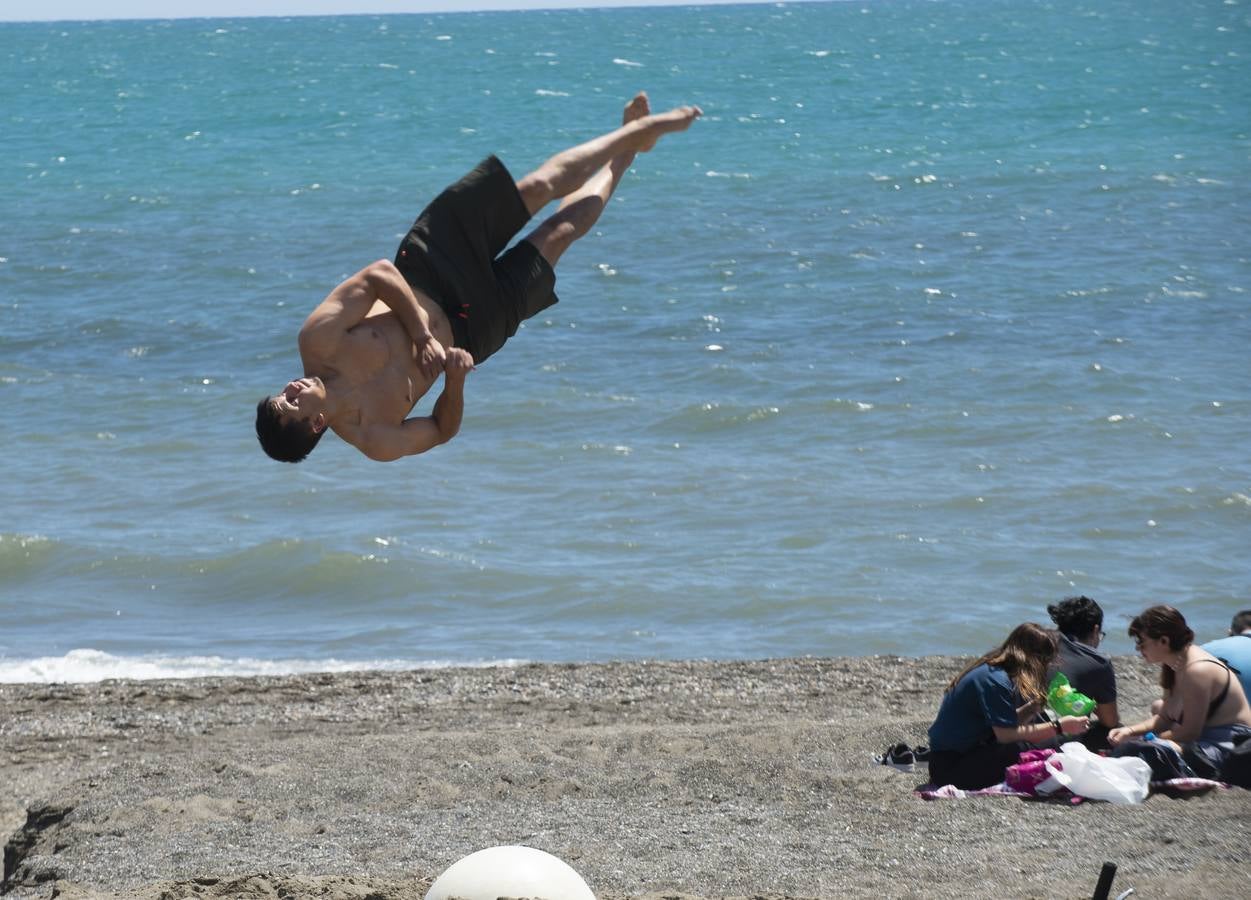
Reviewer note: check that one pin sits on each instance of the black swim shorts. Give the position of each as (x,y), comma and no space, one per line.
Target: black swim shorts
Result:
(452,254)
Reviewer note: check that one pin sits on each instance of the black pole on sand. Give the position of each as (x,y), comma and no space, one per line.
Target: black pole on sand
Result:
(1104,887)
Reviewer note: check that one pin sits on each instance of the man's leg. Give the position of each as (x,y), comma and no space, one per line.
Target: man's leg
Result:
(569,170)
(581,208)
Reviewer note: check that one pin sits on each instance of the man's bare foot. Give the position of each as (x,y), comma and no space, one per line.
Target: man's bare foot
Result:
(678,119)
(638,107)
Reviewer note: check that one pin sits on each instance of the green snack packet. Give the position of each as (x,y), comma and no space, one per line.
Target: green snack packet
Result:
(1066,701)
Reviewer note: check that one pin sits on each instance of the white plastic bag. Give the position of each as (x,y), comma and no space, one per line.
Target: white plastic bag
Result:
(1124,779)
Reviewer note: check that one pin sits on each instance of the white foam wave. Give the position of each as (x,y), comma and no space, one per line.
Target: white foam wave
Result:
(87,665)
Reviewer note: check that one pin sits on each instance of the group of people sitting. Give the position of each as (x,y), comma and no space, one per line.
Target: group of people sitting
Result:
(996,707)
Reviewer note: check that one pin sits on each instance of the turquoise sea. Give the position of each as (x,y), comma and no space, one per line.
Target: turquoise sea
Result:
(940,314)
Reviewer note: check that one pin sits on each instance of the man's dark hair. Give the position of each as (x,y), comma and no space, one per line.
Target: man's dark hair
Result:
(1076,616)
(1241,622)
(285,442)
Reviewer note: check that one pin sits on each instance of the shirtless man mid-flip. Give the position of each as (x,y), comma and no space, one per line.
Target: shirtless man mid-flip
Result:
(377,343)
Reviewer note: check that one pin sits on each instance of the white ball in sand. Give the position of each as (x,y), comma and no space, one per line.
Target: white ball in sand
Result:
(509,872)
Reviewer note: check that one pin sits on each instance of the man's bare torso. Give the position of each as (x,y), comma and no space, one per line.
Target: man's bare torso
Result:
(375,369)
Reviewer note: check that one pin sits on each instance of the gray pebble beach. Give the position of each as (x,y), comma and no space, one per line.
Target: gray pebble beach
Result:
(652,779)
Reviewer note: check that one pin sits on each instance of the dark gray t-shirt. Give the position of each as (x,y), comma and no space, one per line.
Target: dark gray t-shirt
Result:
(1088,670)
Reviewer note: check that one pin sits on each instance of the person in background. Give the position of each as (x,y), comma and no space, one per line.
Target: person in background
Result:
(1236,649)
(1088,669)
(988,712)
(1205,712)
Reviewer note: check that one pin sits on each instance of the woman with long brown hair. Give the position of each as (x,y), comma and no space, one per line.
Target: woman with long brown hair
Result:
(1205,710)
(987,715)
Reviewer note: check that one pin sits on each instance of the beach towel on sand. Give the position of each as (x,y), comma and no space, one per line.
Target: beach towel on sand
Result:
(1174,787)
(1023,779)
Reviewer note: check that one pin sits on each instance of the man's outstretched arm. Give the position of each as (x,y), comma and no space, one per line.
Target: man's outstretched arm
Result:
(385,443)
(351,301)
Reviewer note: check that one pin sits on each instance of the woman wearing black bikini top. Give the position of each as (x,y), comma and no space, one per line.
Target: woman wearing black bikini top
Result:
(1204,706)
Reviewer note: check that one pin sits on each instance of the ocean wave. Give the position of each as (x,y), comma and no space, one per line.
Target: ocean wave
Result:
(23,554)
(85,665)
(710,417)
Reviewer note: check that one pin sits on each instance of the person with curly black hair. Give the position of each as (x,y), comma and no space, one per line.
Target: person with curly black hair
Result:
(1088,669)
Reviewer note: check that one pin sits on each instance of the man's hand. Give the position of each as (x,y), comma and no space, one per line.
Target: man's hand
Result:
(419,434)
(457,364)
(431,358)
(349,304)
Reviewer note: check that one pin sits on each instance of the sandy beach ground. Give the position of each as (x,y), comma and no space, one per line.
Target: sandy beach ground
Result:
(658,779)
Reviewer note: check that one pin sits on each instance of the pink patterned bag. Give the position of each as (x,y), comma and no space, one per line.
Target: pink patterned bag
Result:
(1035,755)
(1030,772)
